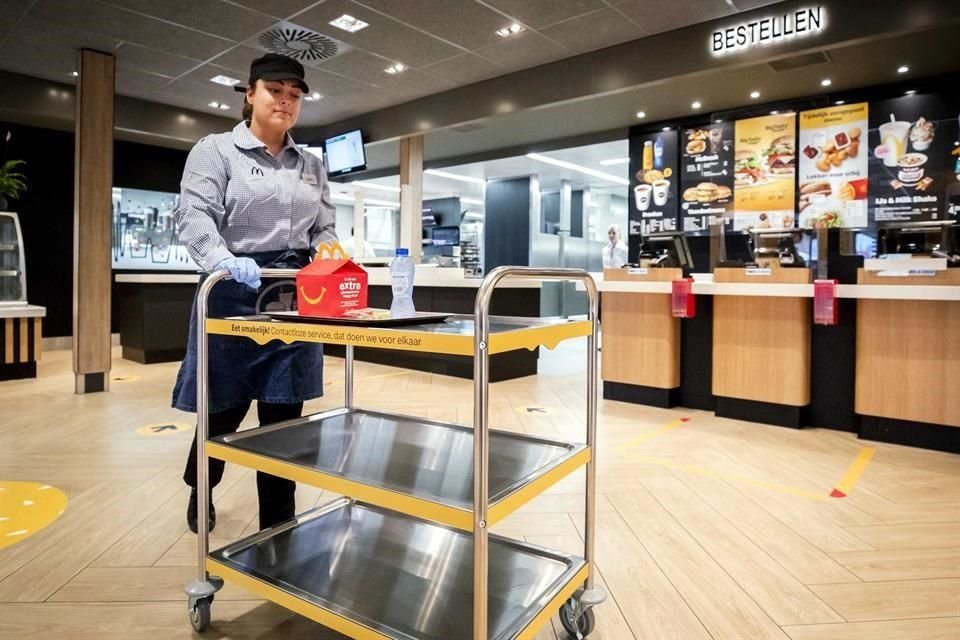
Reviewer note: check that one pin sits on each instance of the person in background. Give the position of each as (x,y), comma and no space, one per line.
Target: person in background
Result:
(366,251)
(251,198)
(615,253)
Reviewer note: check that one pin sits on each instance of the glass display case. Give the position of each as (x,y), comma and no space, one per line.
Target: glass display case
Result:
(13,269)
(144,233)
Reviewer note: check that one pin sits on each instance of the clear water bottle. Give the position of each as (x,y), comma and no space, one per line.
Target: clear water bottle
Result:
(401,280)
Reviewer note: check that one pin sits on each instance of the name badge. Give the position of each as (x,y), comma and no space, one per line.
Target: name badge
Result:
(309,178)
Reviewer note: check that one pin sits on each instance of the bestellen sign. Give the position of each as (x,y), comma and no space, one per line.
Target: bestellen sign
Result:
(770,30)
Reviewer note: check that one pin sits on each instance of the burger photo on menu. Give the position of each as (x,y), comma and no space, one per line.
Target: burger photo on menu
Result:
(765,160)
(781,157)
(748,171)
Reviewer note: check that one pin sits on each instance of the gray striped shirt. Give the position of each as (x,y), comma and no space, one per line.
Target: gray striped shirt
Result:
(236,198)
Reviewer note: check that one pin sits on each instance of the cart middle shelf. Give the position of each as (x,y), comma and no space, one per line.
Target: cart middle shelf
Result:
(410,465)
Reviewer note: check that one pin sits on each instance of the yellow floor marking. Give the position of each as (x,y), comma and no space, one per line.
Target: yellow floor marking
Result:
(856,469)
(26,508)
(763,484)
(655,433)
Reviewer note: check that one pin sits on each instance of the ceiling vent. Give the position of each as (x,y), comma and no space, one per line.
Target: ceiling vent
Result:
(805,60)
(300,43)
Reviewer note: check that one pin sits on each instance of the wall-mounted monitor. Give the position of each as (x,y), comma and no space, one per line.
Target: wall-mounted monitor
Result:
(446,236)
(345,153)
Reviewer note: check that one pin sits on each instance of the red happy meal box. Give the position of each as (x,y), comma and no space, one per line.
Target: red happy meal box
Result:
(330,287)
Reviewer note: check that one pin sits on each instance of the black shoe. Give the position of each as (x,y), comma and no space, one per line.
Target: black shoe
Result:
(192,513)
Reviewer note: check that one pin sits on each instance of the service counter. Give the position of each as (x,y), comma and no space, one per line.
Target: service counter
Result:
(887,370)
(21,336)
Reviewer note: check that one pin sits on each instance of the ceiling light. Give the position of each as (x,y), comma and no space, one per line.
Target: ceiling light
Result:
(455,176)
(641,114)
(696,104)
(313,97)
(754,94)
(577,167)
(513,29)
(215,105)
(225,81)
(363,184)
(613,161)
(349,23)
(839,102)
(75,74)
(472,201)
(903,68)
(910,92)
(395,69)
(224,107)
(826,82)
(718,121)
(774,112)
(666,128)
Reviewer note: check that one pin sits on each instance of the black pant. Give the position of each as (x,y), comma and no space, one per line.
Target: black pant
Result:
(276,495)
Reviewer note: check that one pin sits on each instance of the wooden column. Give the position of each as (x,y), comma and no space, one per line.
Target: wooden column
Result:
(411,195)
(92,202)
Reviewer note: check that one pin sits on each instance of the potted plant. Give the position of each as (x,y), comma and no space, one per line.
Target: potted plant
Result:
(11,182)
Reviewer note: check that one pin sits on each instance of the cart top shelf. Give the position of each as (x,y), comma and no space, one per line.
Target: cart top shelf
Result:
(455,336)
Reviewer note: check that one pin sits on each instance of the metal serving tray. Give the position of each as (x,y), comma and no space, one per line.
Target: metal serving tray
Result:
(351,565)
(409,464)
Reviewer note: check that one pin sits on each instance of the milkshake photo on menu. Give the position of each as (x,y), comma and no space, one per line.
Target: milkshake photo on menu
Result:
(912,158)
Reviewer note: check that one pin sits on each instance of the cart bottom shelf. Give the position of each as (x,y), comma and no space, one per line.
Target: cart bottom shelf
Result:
(373,573)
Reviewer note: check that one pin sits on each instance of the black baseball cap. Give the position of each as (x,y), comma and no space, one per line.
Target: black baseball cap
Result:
(273,66)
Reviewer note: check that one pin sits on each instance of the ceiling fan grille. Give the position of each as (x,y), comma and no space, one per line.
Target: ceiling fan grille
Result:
(300,44)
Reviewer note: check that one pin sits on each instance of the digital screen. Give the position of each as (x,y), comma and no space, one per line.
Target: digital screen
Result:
(446,236)
(345,153)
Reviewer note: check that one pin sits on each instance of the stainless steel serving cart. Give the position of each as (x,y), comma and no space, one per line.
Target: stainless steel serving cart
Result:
(406,554)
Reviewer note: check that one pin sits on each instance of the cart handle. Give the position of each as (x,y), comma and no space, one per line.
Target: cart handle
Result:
(481,425)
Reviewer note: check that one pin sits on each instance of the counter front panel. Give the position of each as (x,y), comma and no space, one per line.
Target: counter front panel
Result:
(761,346)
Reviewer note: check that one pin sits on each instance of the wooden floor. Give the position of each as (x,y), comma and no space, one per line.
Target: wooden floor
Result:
(707,528)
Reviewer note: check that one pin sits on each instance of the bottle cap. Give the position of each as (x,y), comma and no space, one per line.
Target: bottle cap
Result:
(403,251)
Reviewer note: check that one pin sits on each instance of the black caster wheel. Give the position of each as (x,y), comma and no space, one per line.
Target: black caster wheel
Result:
(200,614)
(577,625)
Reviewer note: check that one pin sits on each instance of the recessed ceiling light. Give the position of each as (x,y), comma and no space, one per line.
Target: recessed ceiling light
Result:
(313,97)
(903,68)
(718,121)
(826,82)
(666,128)
(696,104)
(910,92)
(349,23)
(225,81)
(774,112)
(455,176)
(513,29)
(576,167)
(641,114)
(215,105)
(395,69)
(754,94)
(224,107)
(839,102)
(613,161)
(75,74)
